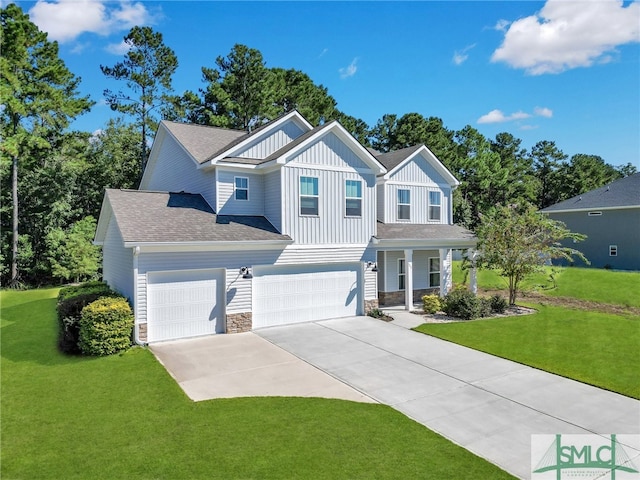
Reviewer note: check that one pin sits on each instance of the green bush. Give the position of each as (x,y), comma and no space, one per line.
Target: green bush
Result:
(71,301)
(106,326)
(498,304)
(464,304)
(431,303)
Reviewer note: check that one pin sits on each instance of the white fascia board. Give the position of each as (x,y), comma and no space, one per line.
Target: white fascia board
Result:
(433,160)
(591,209)
(421,244)
(106,214)
(209,246)
(293,115)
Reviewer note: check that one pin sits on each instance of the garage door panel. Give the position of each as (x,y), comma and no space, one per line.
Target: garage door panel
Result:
(303,293)
(185,304)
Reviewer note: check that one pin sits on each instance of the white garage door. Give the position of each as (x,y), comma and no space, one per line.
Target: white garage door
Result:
(304,293)
(184,304)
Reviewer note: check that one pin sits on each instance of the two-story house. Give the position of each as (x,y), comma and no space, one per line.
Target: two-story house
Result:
(233,230)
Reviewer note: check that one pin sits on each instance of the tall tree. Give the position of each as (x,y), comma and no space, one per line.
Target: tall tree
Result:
(39,97)
(147,69)
(520,241)
(520,185)
(547,160)
(584,173)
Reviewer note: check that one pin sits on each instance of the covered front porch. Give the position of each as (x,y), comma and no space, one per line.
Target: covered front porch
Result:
(416,260)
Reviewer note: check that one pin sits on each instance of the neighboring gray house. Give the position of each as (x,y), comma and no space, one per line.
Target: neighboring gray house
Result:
(232,230)
(610,217)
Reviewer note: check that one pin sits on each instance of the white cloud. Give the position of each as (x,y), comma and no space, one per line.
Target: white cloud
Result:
(461,56)
(497,116)
(502,25)
(350,70)
(118,48)
(65,20)
(323,52)
(566,35)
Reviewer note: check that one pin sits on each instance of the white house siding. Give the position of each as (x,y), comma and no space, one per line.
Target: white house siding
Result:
(273,198)
(117,262)
(228,205)
(390,269)
(331,225)
(381,196)
(330,151)
(419,203)
(175,171)
(239,290)
(418,170)
(268,145)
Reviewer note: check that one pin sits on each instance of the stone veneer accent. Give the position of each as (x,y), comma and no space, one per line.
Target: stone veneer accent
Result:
(239,322)
(397,298)
(142,332)
(370,305)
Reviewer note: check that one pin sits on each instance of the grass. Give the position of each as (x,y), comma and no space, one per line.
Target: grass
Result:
(592,347)
(597,285)
(124,417)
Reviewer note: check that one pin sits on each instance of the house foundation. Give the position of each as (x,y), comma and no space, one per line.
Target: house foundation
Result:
(239,322)
(389,299)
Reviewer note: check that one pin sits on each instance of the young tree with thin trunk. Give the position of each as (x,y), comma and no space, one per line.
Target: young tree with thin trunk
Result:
(39,96)
(520,241)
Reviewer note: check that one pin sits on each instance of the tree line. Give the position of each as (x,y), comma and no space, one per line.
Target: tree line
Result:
(53,179)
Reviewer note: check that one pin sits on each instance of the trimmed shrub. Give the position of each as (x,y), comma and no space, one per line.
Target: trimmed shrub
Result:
(498,304)
(464,304)
(431,303)
(71,301)
(106,326)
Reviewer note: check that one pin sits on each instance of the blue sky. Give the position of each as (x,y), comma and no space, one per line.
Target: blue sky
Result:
(558,70)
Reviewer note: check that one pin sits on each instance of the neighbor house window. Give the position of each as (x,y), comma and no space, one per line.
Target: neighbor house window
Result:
(402,275)
(404,204)
(434,272)
(595,214)
(613,250)
(241,186)
(353,198)
(308,196)
(434,205)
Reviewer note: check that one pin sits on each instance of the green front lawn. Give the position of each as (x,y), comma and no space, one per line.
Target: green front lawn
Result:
(125,417)
(596,348)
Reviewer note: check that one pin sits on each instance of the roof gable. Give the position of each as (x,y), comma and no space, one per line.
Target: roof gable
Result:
(396,160)
(622,193)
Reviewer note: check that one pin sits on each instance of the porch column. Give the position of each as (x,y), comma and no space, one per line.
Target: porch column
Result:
(408,280)
(473,278)
(446,274)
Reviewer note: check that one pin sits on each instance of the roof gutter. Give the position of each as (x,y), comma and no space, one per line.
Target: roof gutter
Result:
(234,245)
(421,242)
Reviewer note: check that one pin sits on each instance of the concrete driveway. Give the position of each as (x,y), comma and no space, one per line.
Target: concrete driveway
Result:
(488,405)
(245,365)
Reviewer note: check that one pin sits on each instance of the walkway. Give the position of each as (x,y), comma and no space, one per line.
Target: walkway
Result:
(489,405)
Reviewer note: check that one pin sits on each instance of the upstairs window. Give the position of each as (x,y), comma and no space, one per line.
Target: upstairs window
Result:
(241,187)
(613,250)
(404,204)
(434,205)
(308,196)
(353,198)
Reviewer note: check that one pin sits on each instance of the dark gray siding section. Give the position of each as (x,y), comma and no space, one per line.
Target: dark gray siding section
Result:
(612,227)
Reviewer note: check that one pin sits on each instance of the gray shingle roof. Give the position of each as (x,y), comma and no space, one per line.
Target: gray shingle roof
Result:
(392,159)
(202,141)
(407,231)
(164,217)
(620,193)
(291,145)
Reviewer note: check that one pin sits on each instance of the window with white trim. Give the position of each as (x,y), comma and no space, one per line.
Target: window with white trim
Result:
(353,198)
(309,196)
(435,201)
(594,214)
(404,204)
(613,250)
(434,271)
(241,188)
(402,274)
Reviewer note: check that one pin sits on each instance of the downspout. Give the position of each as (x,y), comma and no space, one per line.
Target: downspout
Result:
(136,329)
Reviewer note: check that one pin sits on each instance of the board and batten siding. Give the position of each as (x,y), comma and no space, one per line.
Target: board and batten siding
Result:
(388,266)
(273,142)
(175,171)
(228,205)
(238,290)
(332,152)
(273,198)
(418,170)
(419,203)
(117,262)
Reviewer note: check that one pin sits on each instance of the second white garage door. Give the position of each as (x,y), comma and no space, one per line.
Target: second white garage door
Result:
(304,293)
(184,304)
